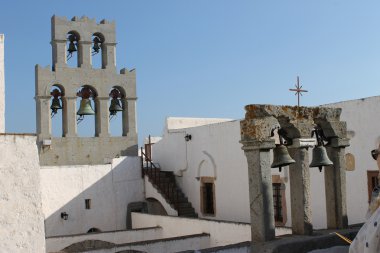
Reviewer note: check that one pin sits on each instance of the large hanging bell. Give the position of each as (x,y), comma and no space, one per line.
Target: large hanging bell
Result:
(55,105)
(320,158)
(281,157)
(85,107)
(115,106)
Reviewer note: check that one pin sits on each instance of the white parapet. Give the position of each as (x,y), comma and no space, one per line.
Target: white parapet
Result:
(2,86)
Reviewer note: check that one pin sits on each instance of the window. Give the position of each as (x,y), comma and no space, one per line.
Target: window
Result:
(373,180)
(277,202)
(207,196)
(87,203)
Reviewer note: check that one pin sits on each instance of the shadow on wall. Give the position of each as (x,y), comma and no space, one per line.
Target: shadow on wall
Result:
(94,196)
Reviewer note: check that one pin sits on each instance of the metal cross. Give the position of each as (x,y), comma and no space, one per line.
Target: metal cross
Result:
(298,90)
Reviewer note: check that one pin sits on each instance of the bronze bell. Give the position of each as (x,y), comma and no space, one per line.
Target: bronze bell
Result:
(281,157)
(72,47)
(115,106)
(55,105)
(320,158)
(96,46)
(85,107)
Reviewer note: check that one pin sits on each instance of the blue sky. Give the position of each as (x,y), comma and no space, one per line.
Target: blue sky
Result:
(207,58)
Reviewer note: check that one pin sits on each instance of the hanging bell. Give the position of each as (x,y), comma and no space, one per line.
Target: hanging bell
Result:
(72,47)
(55,105)
(85,107)
(115,106)
(96,46)
(320,158)
(281,157)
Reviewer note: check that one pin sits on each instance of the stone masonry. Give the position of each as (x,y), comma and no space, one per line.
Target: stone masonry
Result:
(71,149)
(297,124)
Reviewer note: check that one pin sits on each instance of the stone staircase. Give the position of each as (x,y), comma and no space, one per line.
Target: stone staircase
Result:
(164,182)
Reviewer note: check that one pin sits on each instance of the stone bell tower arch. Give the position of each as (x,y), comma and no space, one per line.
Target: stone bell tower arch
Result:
(298,123)
(84,38)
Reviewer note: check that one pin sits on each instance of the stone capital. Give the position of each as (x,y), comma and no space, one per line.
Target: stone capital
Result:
(258,145)
(303,143)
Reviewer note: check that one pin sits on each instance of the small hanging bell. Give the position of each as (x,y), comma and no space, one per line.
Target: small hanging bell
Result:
(55,105)
(96,46)
(115,106)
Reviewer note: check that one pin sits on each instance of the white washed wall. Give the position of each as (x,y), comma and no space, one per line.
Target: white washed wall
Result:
(110,187)
(55,244)
(21,216)
(362,117)
(221,233)
(2,86)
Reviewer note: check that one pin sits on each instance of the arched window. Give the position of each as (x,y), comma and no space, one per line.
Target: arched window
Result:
(117,106)
(72,48)
(57,102)
(86,110)
(97,50)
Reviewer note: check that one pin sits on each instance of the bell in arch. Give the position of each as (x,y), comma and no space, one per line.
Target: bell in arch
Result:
(96,46)
(281,155)
(55,103)
(85,107)
(72,46)
(320,157)
(115,102)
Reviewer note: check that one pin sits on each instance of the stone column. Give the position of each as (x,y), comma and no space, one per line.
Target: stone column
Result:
(124,117)
(109,56)
(299,175)
(84,54)
(59,53)
(43,117)
(70,117)
(101,117)
(260,189)
(129,117)
(335,185)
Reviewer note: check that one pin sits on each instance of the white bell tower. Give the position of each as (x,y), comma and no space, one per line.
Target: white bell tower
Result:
(2,86)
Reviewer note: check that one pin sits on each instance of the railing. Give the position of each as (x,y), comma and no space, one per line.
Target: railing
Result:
(167,188)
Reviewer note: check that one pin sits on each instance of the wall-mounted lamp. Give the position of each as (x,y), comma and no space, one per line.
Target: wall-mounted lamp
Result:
(64,216)
(187,137)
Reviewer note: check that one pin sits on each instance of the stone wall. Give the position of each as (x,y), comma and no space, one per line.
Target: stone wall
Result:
(21,217)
